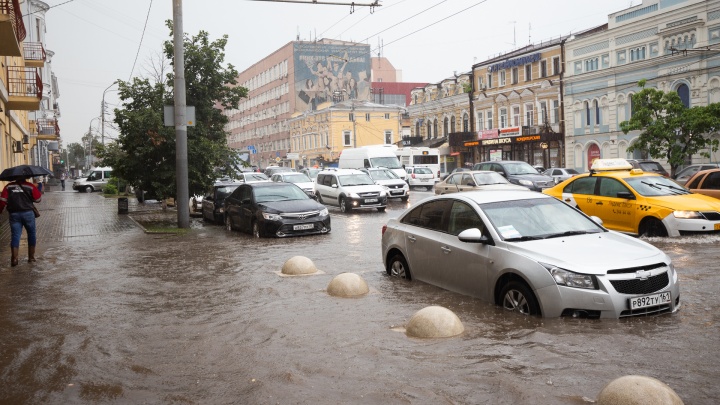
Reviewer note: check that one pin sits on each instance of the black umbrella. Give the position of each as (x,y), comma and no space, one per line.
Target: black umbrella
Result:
(23,172)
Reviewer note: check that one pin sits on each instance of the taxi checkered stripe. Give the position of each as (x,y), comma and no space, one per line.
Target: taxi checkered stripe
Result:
(644,207)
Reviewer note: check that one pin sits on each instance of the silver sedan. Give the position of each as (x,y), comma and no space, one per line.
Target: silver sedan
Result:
(475,180)
(529,253)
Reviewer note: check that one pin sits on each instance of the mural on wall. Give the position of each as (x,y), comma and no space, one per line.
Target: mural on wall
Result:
(324,71)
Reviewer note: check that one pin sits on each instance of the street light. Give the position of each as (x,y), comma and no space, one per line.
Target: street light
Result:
(102,111)
(90,139)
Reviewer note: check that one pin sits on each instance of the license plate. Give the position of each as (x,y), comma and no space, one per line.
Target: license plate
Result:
(717,227)
(370,200)
(424,179)
(301,227)
(650,300)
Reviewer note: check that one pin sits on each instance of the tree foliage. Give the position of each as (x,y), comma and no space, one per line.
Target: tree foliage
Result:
(75,155)
(669,129)
(144,154)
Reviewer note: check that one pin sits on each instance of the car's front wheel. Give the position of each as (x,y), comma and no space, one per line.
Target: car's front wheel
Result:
(652,227)
(319,198)
(88,189)
(344,205)
(398,267)
(517,297)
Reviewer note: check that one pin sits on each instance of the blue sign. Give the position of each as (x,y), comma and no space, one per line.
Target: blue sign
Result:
(252,149)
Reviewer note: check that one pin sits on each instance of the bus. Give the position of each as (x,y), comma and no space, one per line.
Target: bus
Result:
(420,156)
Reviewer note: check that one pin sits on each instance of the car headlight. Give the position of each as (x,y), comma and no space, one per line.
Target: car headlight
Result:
(353,195)
(673,273)
(571,279)
(221,210)
(688,215)
(526,182)
(271,217)
(382,193)
(324,212)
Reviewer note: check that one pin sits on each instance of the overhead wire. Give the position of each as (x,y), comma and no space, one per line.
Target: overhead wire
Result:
(141,40)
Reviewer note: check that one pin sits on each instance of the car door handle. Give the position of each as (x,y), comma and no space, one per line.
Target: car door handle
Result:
(445,249)
(599,203)
(412,238)
(568,200)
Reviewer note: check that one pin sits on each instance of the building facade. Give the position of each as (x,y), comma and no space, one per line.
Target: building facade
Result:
(517,106)
(673,44)
(318,137)
(438,114)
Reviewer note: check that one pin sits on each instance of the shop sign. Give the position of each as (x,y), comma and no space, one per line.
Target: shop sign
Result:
(455,154)
(474,143)
(524,60)
(449,159)
(488,134)
(593,153)
(512,131)
(498,141)
(527,138)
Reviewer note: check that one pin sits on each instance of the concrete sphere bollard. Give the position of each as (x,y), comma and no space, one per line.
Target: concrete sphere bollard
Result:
(347,285)
(434,322)
(638,390)
(298,265)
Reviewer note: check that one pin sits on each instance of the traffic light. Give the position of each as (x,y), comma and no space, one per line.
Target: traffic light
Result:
(62,162)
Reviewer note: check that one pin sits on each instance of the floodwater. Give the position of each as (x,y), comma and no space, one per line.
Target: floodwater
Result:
(206,318)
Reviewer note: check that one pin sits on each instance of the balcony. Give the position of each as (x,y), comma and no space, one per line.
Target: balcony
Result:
(47,129)
(24,88)
(12,28)
(34,54)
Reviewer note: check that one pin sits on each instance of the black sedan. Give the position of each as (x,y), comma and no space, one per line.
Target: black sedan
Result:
(275,209)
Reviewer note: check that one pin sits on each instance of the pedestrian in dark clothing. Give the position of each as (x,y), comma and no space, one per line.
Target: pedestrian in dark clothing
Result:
(19,197)
(63,176)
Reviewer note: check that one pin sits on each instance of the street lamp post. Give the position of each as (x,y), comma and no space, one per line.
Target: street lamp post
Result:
(102,113)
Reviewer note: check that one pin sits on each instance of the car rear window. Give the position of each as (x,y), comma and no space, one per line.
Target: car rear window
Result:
(423,170)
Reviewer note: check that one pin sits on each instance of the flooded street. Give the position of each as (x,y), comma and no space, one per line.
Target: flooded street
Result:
(206,318)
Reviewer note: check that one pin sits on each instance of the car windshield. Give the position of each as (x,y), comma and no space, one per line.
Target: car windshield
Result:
(312,173)
(519,168)
(224,191)
(355,180)
(653,186)
(255,176)
(390,162)
(383,175)
(279,193)
(296,178)
(483,179)
(540,218)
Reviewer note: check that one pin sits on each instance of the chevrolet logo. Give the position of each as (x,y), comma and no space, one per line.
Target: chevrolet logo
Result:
(642,274)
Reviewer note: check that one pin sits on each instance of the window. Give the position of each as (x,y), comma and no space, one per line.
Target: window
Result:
(452,124)
(388,137)
(466,122)
(503,118)
(543,68)
(587,113)
(684,92)
(528,72)
(611,187)
(429,130)
(637,54)
(516,115)
(480,120)
(597,112)
(542,118)
(591,64)
(529,114)
(435,128)
(446,126)
(489,116)
(429,215)
(347,141)
(417,128)
(351,117)
(480,82)
(463,217)
(387,116)
(556,65)
(585,185)
(489,80)
(555,112)
(515,75)
(367,116)
(502,78)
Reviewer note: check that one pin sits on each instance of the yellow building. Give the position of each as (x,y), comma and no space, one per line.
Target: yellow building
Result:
(318,137)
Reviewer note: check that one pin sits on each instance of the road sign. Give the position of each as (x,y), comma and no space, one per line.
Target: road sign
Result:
(277,159)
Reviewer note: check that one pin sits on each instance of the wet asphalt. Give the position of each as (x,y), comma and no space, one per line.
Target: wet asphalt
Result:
(110,314)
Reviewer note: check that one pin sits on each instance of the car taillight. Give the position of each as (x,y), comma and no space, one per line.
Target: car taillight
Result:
(384,228)
(438,174)
(413,175)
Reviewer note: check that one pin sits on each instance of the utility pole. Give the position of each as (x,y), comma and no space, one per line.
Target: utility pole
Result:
(354,126)
(102,113)
(181,159)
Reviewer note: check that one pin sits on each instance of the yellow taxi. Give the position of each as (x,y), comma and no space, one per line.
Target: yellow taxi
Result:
(635,202)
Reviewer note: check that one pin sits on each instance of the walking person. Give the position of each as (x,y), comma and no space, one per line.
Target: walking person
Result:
(19,196)
(63,176)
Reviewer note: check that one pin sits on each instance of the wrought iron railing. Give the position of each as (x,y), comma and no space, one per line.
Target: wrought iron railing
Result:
(47,126)
(24,82)
(34,51)
(12,8)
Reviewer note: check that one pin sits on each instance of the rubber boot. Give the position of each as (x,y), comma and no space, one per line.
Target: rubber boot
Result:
(31,254)
(14,259)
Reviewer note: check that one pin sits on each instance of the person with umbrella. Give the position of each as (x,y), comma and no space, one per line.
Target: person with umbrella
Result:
(19,196)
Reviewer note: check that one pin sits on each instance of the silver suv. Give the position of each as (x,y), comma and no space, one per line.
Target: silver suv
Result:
(349,189)
(394,185)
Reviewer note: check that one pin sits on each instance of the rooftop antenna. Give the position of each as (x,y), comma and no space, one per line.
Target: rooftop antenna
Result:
(298,33)
(529,32)
(514,42)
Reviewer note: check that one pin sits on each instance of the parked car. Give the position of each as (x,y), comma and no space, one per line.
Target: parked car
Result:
(682,176)
(251,177)
(518,172)
(475,181)
(213,202)
(349,189)
(457,169)
(706,182)
(311,172)
(420,176)
(529,254)
(299,179)
(648,166)
(539,168)
(560,174)
(639,203)
(270,170)
(275,209)
(394,185)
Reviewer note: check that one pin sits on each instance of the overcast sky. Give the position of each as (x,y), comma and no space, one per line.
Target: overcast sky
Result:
(97,41)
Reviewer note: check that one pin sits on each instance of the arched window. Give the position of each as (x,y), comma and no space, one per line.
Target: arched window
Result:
(466,123)
(587,113)
(429,130)
(684,92)
(452,124)
(597,113)
(435,128)
(417,128)
(446,126)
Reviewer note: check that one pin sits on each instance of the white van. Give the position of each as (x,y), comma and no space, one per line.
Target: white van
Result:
(96,180)
(420,156)
(372,156)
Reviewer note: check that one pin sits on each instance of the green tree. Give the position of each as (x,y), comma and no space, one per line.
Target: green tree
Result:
(75,155)
(669,129)
(145,150)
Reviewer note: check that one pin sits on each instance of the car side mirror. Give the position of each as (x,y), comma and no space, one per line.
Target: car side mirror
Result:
(597,220)
(474,235)
(334,186)
(472,184)
(626,195)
